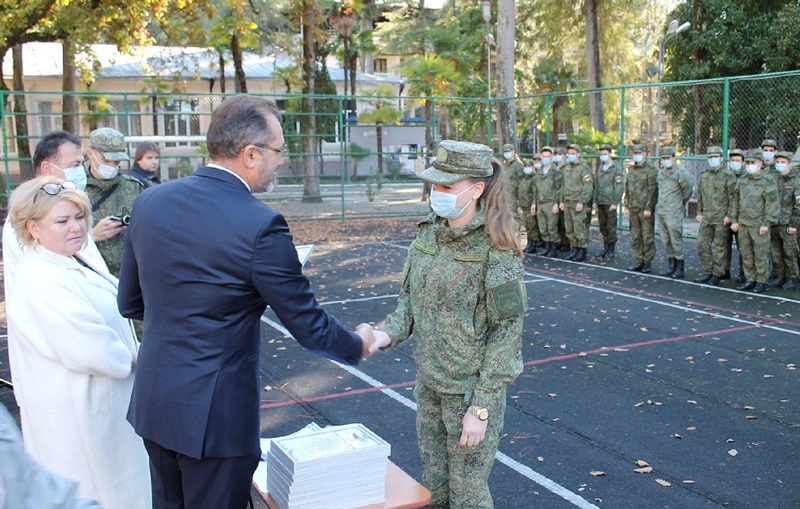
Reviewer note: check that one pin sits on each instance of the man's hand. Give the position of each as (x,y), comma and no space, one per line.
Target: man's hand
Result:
(699,218)
(647,213)
(473,430)
(107,228)
(579,207)
(726,221)
(763,230)
(791,230)
(533,209)
(373,339)
(735,227)
(555,209)
(561,206)
(611,208)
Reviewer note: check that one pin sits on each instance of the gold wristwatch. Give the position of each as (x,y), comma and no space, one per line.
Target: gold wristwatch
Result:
(480,413)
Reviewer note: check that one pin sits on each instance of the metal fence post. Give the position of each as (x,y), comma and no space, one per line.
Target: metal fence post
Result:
(726,97)
(548,120)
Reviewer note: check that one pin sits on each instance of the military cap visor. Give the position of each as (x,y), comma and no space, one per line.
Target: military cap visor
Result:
(110,143)
(458,160)
(508,147)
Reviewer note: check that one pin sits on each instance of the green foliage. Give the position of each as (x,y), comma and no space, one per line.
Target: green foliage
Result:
(589,139)
(384,110)
(357,152)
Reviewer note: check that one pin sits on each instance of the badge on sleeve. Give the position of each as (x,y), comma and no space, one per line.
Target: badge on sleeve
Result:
(508,299)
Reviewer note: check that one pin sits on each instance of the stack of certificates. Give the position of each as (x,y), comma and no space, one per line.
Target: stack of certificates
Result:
(338,467)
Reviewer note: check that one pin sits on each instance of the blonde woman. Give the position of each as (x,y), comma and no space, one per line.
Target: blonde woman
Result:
(72,354)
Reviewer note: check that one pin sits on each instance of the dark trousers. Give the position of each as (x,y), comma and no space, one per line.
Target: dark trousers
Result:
(181,482)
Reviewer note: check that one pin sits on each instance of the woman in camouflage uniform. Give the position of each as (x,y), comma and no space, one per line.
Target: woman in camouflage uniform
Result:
(463,299)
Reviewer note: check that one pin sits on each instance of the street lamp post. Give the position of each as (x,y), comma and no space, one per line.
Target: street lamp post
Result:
(486,10)
(673,29)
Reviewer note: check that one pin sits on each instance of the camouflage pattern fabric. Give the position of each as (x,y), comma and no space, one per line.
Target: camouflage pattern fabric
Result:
(513,171)
(608,190)
(548,194)
(641,193)
(674,191)
(783,244)
(715,188)
(525,198)
(577,187)
(755,204)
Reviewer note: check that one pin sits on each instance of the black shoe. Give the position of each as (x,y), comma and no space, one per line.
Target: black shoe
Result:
(792,284)
(713,280)
(704,279)
(605,251)
(760,288)
(572,253)
(740,278)
(539,243)
(670,270)
(749,285)
(552,252)
(636,267)
(679,272)
(610,253)
(544,250)
(564,248)
(529,249)
(646,268)
(580,256)
(775,283)
(725,275)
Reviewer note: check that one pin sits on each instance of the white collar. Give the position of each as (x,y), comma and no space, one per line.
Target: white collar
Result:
(212,165)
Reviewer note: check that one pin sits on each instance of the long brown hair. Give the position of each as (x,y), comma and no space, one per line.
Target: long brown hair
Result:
(501,224)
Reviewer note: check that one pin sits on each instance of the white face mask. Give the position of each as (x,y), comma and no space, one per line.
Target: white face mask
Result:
(76,174)
(751,168)
(604,158)
(666,163)
(714,161)
(768,156)
(444,204)
(107,172)
(538,166)
(782,167)
(508,155)
(572,157)
(558,158)
(736,166)
(547,160)
(638,158)
(527,170)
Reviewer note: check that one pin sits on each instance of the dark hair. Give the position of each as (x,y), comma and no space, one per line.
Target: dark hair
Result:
(143,148)
(47,148)
(238,122)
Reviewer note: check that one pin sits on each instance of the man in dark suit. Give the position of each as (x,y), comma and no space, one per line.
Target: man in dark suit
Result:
(203,258)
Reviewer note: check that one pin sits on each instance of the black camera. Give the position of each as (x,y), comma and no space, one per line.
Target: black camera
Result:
(125,220)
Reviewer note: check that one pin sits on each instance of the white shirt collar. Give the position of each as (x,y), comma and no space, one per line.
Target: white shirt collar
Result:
(212,165)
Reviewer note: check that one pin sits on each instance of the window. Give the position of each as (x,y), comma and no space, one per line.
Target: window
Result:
(49,116)
(123,116)
(181,119)
(381,66)
(11,143)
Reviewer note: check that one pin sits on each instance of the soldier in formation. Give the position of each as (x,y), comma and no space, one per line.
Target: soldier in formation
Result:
(547,196)
(674,191)
(608,190)
(641,193)
(715,189)
(576,193)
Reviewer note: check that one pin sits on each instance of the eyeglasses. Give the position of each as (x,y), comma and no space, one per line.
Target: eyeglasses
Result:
(53,188)
(280,151)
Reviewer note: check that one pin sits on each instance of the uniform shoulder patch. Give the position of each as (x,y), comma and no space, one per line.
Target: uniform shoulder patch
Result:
(587,178)
(618,178)
(425,248)
(508,299)
(468,257)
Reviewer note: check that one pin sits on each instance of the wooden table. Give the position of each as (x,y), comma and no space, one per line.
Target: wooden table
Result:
(402,492)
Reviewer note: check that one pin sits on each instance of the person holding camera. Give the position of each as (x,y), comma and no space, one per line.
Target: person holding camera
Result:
(111,193)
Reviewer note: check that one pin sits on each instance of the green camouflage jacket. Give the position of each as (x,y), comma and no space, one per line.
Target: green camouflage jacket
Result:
(609,184)
(526,192)
(548,187)
(513,172)
(788,195)
(755,201)
(641,187)
(577,185)
(674,190)
(119,202)
(715,188)
(464,302)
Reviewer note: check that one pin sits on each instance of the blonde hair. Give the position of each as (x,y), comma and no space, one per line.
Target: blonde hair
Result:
(29,202)
(501,224)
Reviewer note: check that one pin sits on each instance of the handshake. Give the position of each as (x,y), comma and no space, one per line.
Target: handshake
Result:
(372,339)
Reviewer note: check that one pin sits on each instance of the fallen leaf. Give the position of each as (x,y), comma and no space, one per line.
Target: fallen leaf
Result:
(691,401)
(597,473)
(552,395)
(540,459)
(642,463)
(688,481)
(637,405)
(643,470)
(664,483)
(751,417)
(733,452)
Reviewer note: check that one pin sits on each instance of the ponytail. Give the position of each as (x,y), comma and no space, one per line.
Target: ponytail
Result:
(501,223)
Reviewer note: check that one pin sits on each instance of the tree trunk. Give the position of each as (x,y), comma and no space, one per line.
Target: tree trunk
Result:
(236,51)
(69,108)
(506,36)
(596,113)
(311,193)
(221,71)
(379,135)
(21,117)
(426,188)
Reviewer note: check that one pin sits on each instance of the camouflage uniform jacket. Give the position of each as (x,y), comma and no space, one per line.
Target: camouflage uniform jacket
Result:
(548,187)
(674,189)
(788,196)
(119,202)
(609,184)
(514,174)
(464,301)
(755,201)
(714,193)
(578,183)
(641,187)
(526,192)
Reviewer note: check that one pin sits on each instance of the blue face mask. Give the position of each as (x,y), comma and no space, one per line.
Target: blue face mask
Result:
(547,160)
(76,174)
(444,204)
(572,157)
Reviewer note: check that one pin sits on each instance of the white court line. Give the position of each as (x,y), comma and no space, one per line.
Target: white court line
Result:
(518,467)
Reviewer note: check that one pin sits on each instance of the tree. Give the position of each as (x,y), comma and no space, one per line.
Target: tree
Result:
(383,112)
(593,67)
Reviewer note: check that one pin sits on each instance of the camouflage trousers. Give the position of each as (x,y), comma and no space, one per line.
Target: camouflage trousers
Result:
(458,477)
(548,222)
(755,253)
(712,246)
(531,226)
(671,226)
(729,253)
(575,225)
(607,220)
(784,252)
(643,240)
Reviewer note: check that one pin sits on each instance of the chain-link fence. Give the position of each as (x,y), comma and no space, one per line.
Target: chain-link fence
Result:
(353,160)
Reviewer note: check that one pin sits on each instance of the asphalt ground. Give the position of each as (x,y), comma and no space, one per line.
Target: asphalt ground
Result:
(698,382)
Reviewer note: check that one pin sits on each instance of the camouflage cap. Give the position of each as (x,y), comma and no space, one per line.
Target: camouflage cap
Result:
(537,156)
(547,148)
(769,143)
(606,146)
(736,152)
(575,146)
(714,151)
(507,147)
(560,150)
(785,155)
(458,160)
(754,154)
(668,151)
(639,147)
(110,143)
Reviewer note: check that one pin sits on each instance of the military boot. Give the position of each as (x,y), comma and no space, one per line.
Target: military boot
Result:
(646,268)
(605,251)
(671,268)
(705,278)
(610,252)
(776,282)
(573,252)
(636,267)
(679,273)
(581,254)
(740,278)
(529,249)
(552,251)
(545,248)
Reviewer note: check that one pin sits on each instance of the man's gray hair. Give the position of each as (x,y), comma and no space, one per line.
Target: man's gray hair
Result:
(238,122)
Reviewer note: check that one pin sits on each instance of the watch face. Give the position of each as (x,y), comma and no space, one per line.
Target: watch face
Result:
(481,414)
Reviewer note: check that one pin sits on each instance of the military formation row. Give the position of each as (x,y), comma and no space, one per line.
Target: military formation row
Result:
(754,199)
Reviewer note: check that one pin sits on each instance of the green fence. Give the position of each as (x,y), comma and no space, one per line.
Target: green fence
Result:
(352,161)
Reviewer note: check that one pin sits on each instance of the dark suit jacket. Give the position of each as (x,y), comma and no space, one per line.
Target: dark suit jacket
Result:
(203,259)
